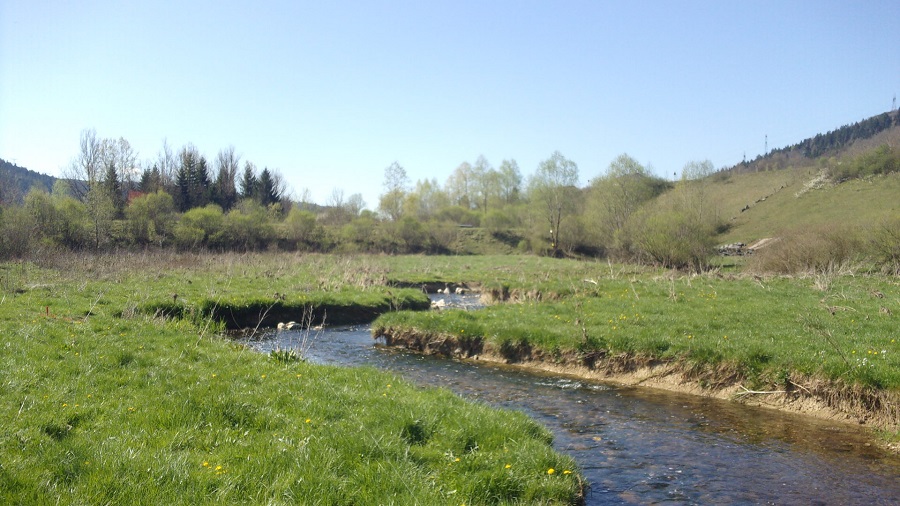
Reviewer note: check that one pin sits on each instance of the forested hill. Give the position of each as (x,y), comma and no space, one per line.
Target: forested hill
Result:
(15,182)
(828,144)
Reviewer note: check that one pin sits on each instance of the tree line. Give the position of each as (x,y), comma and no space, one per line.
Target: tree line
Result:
(182,200)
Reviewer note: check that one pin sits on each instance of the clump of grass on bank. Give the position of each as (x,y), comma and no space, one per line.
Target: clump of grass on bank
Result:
(99,408)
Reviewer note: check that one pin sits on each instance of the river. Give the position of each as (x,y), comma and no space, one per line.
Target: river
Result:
(644,446)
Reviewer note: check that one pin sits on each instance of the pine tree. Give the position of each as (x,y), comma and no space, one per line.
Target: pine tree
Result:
(113,188)
(151,180)
(248,181)
(182,189)
(267,191)
(199,183)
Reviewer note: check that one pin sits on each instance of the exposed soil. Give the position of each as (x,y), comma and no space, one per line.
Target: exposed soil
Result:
(819,398)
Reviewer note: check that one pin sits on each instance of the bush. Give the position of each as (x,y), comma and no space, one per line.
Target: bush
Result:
(885,244)
(150,217)
(16,228)
(300,229)
(497,220)
(673,239)
(810,249)
(882,160)
(460,216)
(246,228)
(201,226)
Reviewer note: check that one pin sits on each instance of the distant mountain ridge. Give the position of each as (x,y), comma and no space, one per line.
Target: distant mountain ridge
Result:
(16,182)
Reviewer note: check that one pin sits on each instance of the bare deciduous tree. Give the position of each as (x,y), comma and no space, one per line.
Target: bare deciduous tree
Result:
(87,168)
(552,187)
(227,166)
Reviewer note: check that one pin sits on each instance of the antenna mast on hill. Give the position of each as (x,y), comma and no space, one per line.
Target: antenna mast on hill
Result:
(894,104)
(767,144)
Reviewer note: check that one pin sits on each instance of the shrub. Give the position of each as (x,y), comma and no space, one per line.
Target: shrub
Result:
(16,228)
(201,226)
(673,239)
(459,215)
(810,249)
(885,244)
(882,160)
(245,228)
(150,217)
(300,229)
(497,220)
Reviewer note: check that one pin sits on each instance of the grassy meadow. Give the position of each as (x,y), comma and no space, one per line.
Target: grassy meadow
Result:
(105,403)
(831,334)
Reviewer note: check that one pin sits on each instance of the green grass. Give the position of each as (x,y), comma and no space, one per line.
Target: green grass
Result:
(831,328)
(105,404)
(548,277)
(857,203)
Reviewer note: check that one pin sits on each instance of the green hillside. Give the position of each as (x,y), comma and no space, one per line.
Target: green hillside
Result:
(769,203)
(791,199)
(15,182)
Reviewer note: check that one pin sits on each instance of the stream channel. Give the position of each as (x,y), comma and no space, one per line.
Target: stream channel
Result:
(645,446)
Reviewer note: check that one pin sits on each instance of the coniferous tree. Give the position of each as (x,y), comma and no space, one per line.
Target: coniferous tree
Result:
(200,184)
(151,180)
(113,188)
(248,181)
(267,190)
(182,189)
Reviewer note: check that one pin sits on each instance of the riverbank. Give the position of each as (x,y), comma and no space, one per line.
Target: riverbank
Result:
(820,347)
(106,403)
(809,397)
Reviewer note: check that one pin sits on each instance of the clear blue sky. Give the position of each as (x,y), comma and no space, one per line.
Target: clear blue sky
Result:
(330,93)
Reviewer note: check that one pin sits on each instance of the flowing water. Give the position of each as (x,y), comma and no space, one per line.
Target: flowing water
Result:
(644,446)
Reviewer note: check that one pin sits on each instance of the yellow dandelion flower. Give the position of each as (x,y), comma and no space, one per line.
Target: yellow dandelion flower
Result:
(508,466)
(218,468)
(308,420)
(456,459)
(205,464)
(567,472)
(551,471)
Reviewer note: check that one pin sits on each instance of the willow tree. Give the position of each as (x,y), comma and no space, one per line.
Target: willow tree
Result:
(616,195)
(395,187)
(554,193)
